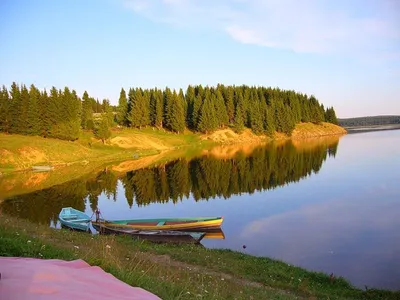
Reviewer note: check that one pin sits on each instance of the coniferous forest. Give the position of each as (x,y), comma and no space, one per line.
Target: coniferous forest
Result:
(62,113)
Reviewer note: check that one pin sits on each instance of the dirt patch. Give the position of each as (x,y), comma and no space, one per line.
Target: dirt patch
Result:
(6,156)
(137,142)
(309,130)
(228,136)
(32,155)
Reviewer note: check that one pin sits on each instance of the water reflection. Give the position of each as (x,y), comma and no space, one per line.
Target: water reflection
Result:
(204,178)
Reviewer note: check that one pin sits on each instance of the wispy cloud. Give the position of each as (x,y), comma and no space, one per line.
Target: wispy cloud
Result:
(359,27)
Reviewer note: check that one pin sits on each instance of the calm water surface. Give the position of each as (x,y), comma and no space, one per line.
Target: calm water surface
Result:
(331,206)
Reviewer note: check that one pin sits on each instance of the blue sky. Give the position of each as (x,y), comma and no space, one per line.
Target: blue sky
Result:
(346,53)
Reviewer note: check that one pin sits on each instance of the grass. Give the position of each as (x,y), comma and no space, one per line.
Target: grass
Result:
(178,272)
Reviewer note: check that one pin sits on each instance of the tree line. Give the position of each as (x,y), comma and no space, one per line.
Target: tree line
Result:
(62,113)
(370,121)
(202,178)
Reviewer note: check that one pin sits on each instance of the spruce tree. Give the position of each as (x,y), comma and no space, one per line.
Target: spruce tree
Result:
(139,115)
(5,107)
(122,108)
(230,106)
(190,98)
(177,114)
(33,121)
(15,107)
(103,132)
(156,108)
(23,111)
(87,112)
(208,120)
(220,110)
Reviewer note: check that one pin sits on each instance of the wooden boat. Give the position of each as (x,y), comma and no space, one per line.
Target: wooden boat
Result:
(42,168)
(181,224)
(74,219)
(157,236)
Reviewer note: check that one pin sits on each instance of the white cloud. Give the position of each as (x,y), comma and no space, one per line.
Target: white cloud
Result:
(361,27)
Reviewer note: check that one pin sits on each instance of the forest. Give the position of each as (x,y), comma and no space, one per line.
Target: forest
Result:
(63,114)
(203,178)
(369,121)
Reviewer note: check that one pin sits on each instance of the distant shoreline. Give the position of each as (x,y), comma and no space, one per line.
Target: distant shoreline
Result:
(369,128)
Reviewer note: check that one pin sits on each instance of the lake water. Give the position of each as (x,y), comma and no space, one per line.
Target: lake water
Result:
(330,205)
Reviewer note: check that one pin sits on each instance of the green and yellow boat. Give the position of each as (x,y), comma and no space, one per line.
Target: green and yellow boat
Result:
(203,224)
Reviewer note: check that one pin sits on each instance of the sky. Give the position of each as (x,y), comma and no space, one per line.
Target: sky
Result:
(345,53)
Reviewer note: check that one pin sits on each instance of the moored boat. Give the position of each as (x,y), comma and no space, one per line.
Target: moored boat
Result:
(157,236)
(42,168)
(182,224)
(74,219)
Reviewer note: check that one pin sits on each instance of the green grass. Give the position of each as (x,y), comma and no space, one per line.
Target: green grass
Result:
(178,272)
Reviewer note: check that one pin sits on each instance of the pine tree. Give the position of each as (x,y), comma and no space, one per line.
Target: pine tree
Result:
(87,112)
(15,106)
(5,107)
(156,108)
(330,116)
(23,111)
(220,110)
(190,98)
(33,121)
(197,104)
(122,108)
(177,114)
(103,132)
(139,114)
(44,116)
(238,123)
(208,120)
(108,113)
(230,106)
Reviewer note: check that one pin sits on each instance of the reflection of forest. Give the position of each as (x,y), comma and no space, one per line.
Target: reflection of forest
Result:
(266,167)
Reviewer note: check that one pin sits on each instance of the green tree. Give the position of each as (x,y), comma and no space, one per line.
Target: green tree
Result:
(33,120)
(103,132)
(220,110)
(5,110)
(208,120)
(176,114)
(330,116)
(15,108)
(139,109)
(230,106)
(87,112)
(156,108)
(122,109)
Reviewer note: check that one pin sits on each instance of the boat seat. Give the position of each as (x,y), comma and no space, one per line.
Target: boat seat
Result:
(161,223)
(80,220)
(68,216)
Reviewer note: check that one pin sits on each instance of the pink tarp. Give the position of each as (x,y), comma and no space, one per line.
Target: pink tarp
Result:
(40,279)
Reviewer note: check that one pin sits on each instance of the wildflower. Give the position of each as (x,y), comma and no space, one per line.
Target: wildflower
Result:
(108,246)
(222,279)
(76,247)
(29,241)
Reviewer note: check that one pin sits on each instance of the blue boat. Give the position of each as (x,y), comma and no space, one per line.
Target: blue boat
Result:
(74,219)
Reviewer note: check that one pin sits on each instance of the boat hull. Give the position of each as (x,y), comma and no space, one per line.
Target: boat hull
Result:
(182,224)
(155,236)
(74,219)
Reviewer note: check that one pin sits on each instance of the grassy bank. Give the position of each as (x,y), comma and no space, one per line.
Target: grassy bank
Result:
(178,272)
